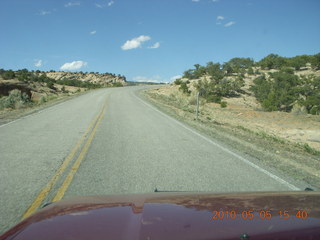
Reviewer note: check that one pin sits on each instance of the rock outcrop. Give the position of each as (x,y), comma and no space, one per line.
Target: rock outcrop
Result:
(7,86)
(97,78)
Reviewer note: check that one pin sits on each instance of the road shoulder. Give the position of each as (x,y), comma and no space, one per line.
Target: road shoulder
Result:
(280,156)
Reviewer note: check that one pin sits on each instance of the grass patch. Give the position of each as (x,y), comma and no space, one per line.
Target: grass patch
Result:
(270,137)
(310,150)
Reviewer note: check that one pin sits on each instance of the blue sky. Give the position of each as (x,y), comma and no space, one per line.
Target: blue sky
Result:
(152,40)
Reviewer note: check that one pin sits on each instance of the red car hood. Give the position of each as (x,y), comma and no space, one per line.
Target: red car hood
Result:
(176,216)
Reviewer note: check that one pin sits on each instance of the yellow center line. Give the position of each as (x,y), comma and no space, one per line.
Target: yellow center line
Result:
(45,191)
(77,163)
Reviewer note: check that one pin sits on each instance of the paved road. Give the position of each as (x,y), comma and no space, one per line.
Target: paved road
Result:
(116,143)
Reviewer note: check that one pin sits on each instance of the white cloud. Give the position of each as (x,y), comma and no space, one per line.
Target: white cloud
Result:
(38,63)
(109,4)
(219,19)
(175,77)
(99,5)
(156,45)
(195,0)
(43,12)
(156,79)
(75,65)
(229,24)
(215,0)
(135,42)
(71,4)
(93,32)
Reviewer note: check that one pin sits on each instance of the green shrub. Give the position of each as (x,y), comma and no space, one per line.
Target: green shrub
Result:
(184,88)
(63,89)
(178,81)
(51,85)
(315,61)
(223,104)
(287,70)
(250,71)
(310,150)
(117,84)
(213,98)
(315,110)
(279,92)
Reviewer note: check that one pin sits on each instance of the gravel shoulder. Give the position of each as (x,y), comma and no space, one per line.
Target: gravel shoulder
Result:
(276,140)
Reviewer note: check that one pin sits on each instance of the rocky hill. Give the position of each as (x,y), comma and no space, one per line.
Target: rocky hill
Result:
(104,79)
(37,86)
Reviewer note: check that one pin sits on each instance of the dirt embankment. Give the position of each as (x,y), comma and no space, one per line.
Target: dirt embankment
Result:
(39,95)
(287,142)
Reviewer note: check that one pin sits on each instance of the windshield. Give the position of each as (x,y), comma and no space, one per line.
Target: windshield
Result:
(129,96)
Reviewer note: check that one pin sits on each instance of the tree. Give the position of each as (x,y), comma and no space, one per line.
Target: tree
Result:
(227,68)
(272,61)
(279,92)
(9,74)
(189,74)
(315,61)
(199,71)
(297,62)
(240,63)
(214,71)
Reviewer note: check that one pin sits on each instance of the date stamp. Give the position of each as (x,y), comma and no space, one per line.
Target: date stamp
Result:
(262,214)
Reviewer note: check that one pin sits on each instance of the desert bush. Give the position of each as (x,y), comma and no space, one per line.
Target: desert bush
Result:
(309,92)
(16,99)
(42,100)
(250,71)
(51,85)
(223,104)
(117,84)
(63,89)
(184,88)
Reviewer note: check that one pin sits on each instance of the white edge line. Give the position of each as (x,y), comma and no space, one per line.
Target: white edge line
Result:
(226,150)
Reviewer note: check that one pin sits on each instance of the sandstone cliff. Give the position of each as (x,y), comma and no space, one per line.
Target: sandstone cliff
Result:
(97,78)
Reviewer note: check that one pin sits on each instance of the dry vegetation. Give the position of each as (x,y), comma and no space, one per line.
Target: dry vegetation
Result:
(23,92)
(288,141)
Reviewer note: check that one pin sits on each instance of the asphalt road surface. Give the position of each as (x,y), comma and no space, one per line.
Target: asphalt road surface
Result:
(110,141)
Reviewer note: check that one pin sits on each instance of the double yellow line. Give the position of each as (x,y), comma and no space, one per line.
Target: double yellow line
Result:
(93,126)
